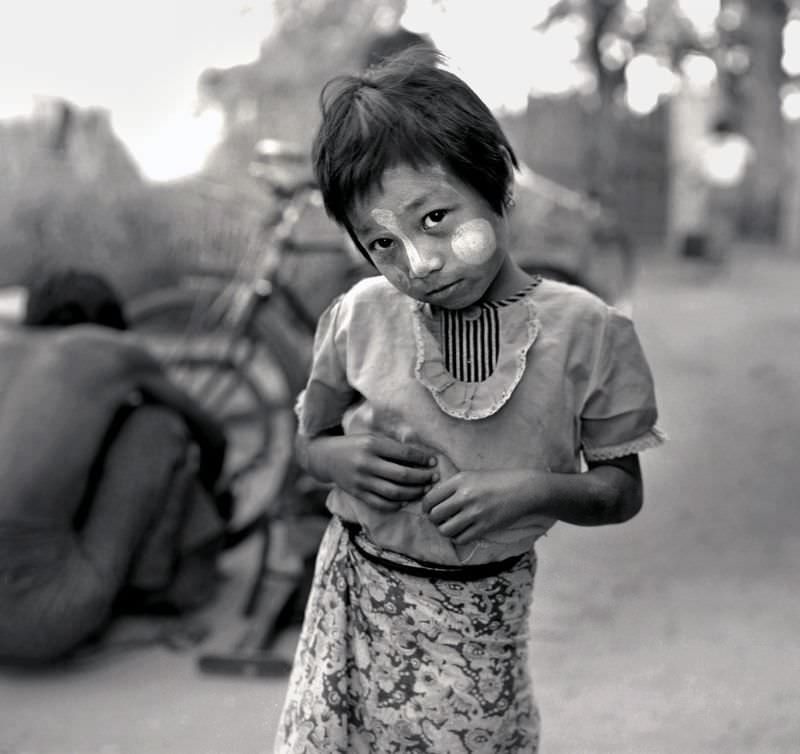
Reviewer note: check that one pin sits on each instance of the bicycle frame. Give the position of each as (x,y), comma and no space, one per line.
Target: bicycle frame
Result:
(249,294)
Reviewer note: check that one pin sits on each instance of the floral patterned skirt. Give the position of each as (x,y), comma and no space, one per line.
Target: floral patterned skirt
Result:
(389,662)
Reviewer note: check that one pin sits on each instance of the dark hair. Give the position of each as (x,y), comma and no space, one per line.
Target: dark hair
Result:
(384,46)
(70,296)
(406,110)
(723,125)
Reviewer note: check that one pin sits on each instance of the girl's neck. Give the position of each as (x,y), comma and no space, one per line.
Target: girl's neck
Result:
(510,279)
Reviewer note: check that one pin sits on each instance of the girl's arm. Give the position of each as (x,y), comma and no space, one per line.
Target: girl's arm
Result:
(376,469)
(610,492)
(468,505)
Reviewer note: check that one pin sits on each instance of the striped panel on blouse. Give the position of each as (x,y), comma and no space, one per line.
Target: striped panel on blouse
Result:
(471,342)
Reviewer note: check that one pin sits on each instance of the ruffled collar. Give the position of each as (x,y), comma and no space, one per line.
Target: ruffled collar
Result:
(519,326)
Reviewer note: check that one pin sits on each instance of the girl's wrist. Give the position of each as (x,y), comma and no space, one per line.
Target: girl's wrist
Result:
(554,494)
(527,492)
(308,457)
(539,498)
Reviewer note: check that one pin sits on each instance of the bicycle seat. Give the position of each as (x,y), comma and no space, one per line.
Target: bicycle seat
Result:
(277,150)
(285,180)
(284,165)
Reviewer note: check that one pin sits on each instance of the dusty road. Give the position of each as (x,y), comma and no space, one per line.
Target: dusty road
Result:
(676,633)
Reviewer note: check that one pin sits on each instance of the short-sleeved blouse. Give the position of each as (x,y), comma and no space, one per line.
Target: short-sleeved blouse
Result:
(570,380)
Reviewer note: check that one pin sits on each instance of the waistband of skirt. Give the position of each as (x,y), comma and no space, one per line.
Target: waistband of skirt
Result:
(424,569)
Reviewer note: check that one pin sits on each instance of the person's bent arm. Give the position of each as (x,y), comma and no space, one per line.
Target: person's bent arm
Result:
(468,505)
(378,470)
(610,492)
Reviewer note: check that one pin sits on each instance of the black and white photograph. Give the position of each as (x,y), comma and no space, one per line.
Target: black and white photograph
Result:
(399,377)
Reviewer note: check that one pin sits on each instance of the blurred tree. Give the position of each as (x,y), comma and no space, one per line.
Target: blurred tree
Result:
(276,96)
(744,42)
(615,32)
(754,88)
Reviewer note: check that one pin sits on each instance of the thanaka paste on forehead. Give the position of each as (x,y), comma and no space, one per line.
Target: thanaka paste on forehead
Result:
(474,241)
(410,187)
(386,219)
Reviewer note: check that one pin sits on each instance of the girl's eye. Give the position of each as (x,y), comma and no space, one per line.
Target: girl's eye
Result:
(381,244)
(433,218)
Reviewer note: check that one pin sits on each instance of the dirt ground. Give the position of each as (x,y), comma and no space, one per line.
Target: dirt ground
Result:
(673,634)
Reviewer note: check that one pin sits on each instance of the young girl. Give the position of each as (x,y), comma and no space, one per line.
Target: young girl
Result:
(451,402)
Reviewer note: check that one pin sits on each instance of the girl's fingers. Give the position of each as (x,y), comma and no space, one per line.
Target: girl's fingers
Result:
(437,495)
(455,527)
(470,534)
(445,510)
(403,453)
(403,475)
(393,492)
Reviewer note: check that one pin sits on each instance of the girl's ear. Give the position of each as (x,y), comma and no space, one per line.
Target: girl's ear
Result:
(508,199)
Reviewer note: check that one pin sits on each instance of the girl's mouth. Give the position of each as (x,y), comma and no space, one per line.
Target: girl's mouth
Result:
(442,289)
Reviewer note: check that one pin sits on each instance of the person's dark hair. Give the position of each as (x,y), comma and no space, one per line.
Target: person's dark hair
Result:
(406,110)
(384,46)
(70,296)
(723,125)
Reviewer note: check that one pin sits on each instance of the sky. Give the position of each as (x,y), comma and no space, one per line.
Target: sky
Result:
(529,61)
(141,59)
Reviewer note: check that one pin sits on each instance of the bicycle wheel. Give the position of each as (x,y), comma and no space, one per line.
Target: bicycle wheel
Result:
(248,380)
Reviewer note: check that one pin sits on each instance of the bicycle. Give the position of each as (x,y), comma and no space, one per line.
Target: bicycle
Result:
(240,343)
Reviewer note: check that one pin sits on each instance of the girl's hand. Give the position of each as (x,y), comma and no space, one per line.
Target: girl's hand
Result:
(467,505)
(376,469)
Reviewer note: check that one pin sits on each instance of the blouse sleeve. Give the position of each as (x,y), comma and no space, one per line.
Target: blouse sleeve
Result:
(619,414)
(321,405)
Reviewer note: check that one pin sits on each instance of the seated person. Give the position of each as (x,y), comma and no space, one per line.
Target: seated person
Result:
(72,296)
(108,473)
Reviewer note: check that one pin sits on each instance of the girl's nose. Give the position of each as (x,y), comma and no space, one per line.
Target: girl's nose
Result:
(423,261)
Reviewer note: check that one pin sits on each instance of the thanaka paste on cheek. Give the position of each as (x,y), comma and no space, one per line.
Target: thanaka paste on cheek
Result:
(474,241)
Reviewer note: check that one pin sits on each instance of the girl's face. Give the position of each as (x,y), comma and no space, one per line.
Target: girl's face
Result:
(434,238)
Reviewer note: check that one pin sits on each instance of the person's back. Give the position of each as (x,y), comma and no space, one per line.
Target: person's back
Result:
(101,462)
